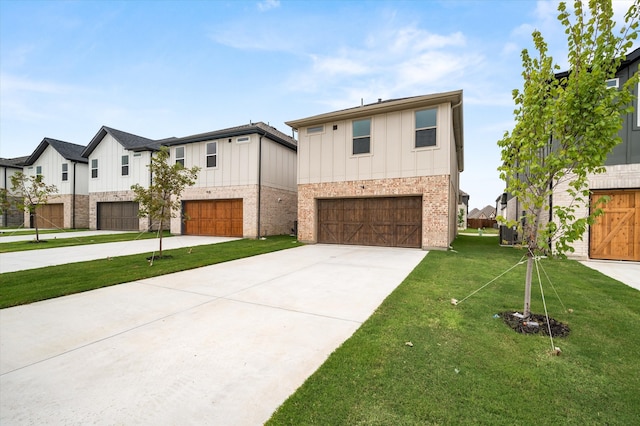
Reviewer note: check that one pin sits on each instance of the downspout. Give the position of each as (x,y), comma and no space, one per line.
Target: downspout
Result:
(150,226)
(259,179)
(6,213)
(73,199)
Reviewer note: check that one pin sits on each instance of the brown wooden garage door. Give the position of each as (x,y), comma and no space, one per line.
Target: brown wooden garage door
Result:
(118,216)
(616,234)
(217,218)
(389,221)
(50,216)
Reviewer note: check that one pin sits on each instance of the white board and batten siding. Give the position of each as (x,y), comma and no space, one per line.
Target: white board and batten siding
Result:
(237,162)
(327,156)
(109,154)
(50,163)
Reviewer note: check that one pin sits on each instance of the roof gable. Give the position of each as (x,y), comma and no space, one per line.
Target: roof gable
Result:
(127,140)
(68,151)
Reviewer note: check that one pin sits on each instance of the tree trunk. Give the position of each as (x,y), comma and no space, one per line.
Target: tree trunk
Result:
(527,286)
(35,223)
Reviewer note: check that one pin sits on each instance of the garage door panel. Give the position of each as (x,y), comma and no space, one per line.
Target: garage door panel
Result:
(118,216)
(50,216)
(385,221)
(616,234)
(218,218)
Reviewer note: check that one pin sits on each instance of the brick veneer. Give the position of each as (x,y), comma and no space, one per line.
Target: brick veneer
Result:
(435,203)
(277,210)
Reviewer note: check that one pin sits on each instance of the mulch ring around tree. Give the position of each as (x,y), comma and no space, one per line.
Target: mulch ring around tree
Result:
(535,324)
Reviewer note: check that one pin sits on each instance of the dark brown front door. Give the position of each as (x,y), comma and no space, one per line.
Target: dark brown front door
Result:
(387,221)
(616,234)
(118,216)
(218,218)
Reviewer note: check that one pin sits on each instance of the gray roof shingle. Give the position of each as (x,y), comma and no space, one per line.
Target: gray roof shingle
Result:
(127,140)
(69,151)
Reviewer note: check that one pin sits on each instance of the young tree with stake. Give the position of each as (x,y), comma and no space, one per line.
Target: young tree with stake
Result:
(34,193)
(160,201)
(566,126)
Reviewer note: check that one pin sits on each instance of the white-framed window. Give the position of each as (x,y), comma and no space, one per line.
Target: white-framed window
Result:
(426,125)
(65,172)
(315,129)
(212,154)
(613,83)
(38,170)
(94,168)
(125,165)
(180,155)
(361,136)
(243,139)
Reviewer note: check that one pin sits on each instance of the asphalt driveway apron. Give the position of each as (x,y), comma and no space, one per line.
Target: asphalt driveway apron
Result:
(224,344)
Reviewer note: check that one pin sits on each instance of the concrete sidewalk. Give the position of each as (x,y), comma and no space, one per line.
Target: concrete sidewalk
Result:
(31,259)
(7,237)
(223,344)
(625,272)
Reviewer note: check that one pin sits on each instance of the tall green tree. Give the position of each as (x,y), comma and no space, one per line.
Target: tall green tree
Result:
(34,192)
(160,201)
(565,125)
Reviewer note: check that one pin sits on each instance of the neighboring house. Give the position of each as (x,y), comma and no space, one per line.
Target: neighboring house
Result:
(487,212)
(61,164)
(463,209)
(383,174)
(246,186)
(12,217)
(616,234)
(117,160)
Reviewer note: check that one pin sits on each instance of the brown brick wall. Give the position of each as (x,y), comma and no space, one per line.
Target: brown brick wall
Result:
(278,211)
(435,201)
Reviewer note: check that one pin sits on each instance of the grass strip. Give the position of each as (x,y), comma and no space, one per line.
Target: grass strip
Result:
(52,242)
(466,367)
(21,287)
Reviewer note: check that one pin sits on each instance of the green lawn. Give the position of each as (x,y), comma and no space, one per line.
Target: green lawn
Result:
(50,241)
(17,288)
(467,367)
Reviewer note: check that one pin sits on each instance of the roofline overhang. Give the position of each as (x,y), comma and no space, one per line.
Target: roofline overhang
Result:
(230,134)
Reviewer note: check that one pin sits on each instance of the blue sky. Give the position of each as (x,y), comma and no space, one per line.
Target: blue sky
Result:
(174,68)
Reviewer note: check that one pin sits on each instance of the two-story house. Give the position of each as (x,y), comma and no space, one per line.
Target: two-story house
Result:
(246,186)
(382,174)
(61,164)
(616,234)
(117,160)
(11,216)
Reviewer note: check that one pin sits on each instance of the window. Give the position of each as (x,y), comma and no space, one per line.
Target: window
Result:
(212,154)
(613,82)
(125,165)
(426,127)
(38,170)
(362,136)
(316,129)
(65,172)
(180,155)
(94,168)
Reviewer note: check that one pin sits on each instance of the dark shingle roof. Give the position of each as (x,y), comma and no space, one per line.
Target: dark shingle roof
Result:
(246,129)
(69,151)
(127,140)
(15,163)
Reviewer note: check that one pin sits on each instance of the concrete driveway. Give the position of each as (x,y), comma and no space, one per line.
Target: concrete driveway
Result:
(22,260)
(224,344)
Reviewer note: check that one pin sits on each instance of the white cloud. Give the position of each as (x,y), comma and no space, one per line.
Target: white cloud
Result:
(265,5)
